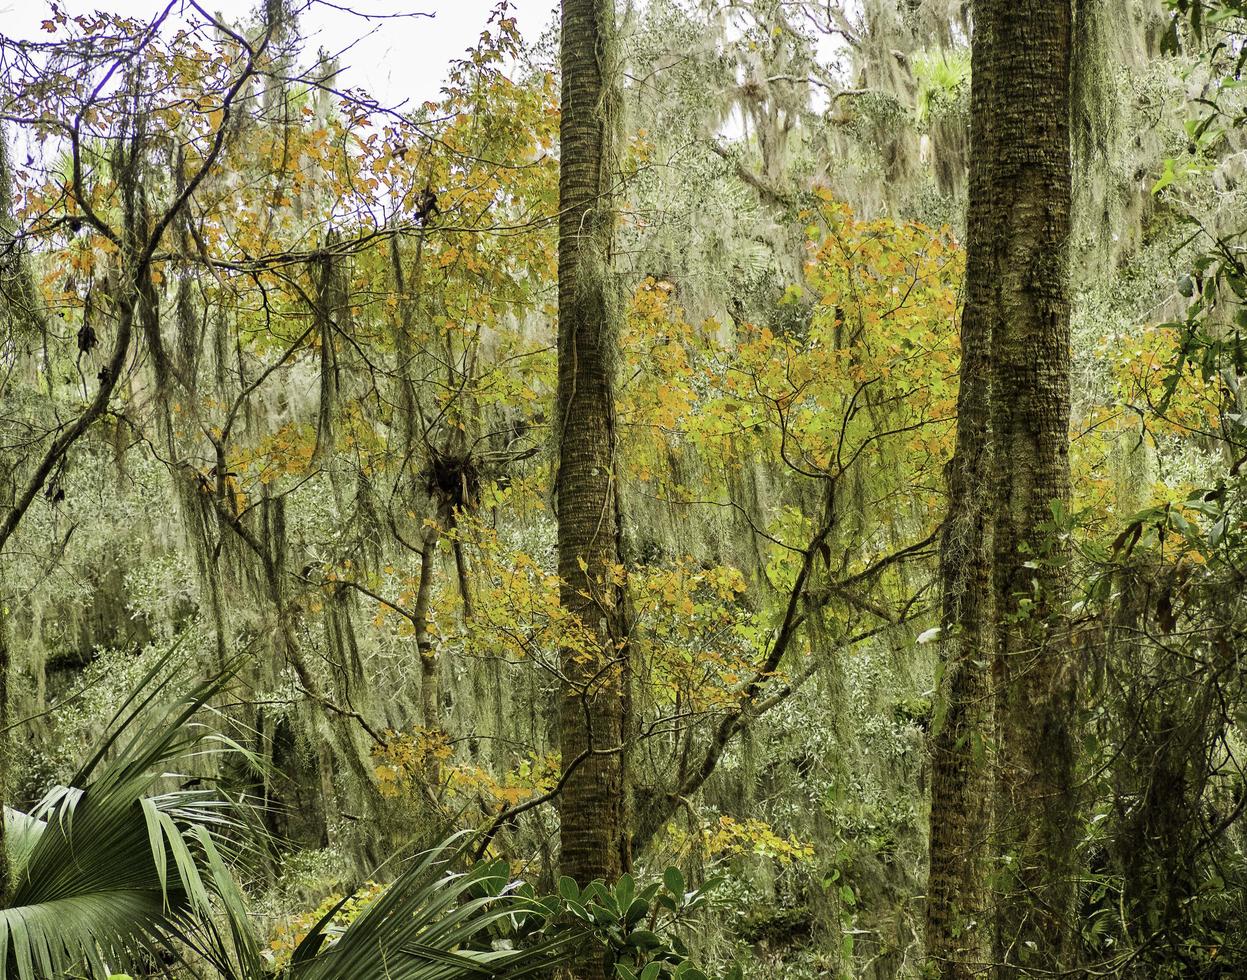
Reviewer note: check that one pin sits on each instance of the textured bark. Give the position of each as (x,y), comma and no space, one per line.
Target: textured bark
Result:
(1008,675)
(5,667)
(429,697)
(593,697)
(957,916)
(12,286)
(1036,810)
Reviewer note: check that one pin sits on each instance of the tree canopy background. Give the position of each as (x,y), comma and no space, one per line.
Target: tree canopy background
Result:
(279,394)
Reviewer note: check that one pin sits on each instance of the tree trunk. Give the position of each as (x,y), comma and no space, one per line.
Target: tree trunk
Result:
(595,675)
(1007,668)
(20,313)
(429,695)
(957,917)
(1030,422)
(5,667)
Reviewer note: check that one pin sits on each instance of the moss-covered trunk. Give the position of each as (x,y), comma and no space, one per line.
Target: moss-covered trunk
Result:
(1036,810)
(4,747)
(1003,570)
(957,933)
(593,697)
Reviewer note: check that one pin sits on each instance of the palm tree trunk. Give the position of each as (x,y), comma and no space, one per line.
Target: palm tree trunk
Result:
(4,745)
(1030,422)
(593,695)
(1008,675)
(958,936)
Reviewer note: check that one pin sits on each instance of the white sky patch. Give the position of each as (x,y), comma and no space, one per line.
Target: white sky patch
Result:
(398,60)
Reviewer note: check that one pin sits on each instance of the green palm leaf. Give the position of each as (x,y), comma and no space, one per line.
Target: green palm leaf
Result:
(104,871)
(435,924)
(20,833)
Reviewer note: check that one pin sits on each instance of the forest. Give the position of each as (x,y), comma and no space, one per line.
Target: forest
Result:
(716,490)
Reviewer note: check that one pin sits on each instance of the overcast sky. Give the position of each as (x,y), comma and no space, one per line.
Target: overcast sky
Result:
(401,59)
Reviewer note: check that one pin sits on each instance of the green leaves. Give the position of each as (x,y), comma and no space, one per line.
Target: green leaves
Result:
(439,923)
(106,871)
(638,926)
(103,870)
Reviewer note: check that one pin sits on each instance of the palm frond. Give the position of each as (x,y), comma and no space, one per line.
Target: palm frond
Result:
(434,923)
(108,871)
(20,833)
(105,872)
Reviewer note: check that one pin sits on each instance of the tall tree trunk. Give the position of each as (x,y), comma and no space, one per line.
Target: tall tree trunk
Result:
(1008,675)
(958,934)
(5,666)
(430,698)
(1036,809)
(593,696)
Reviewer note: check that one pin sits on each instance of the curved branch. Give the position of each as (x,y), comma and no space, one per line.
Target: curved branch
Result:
(111,373)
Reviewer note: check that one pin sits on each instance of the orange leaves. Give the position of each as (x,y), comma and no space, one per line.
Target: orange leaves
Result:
(531,777)
(1142,361)
(409,757)
(289,932)
(1155,398)
(673,588)
(287,452)
(864,366)
(728,837)
(688,648)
